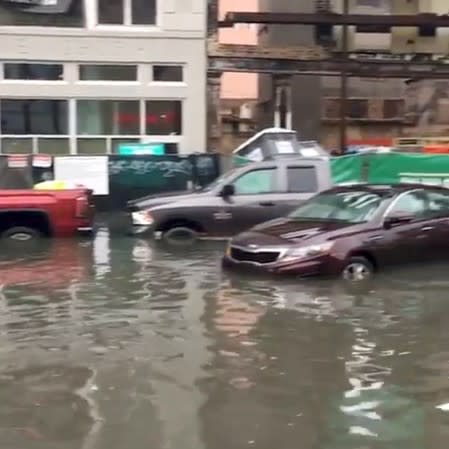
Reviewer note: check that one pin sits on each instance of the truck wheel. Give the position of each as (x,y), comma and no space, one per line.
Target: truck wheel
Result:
(21,234)
(180,235)
(358,269)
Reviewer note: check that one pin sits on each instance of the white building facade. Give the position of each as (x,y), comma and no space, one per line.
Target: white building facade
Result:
(88,76)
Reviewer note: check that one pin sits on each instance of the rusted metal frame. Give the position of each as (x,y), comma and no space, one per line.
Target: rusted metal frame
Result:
(212,18)
(396,20)
(329,67)
(344,81)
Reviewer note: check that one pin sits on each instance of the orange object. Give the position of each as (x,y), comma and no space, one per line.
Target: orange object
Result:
(436,149)
(372,141)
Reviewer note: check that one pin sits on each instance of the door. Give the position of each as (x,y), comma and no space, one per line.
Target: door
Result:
(299,184)
(407,242)
(438,214)
(254,201)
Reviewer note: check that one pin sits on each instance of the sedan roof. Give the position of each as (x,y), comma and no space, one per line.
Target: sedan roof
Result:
(392,188)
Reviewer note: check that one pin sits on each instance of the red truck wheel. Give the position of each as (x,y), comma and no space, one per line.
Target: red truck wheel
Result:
(21,234)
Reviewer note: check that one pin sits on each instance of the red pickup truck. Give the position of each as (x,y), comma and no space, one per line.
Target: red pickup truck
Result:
(29,214)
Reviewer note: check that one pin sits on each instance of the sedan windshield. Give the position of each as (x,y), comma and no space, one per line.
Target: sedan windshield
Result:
(350,207)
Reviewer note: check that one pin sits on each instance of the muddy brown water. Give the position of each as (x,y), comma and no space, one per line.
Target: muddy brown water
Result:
(120,343)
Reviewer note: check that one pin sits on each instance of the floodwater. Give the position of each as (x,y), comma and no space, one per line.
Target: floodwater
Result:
(119,343)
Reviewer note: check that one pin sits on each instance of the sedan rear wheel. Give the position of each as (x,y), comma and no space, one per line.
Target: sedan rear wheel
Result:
(358,269)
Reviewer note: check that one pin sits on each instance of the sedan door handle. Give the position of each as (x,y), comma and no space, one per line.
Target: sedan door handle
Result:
(266,203)
(427,228)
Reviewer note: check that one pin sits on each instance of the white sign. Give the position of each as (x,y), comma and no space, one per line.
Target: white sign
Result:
(89,171)
(309,152)
(42,161)
(17,161)
(256,155)
(285,147)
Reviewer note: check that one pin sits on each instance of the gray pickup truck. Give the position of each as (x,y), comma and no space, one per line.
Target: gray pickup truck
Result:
(238,200)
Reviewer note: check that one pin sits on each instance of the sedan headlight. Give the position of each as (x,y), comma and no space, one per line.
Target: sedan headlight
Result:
(142,218)
(308,251)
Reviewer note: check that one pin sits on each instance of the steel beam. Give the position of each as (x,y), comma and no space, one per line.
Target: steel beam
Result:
(396,20)
(329,67)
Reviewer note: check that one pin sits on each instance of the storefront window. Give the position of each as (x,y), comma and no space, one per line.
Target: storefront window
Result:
(34,117)
(53,146)
(163,117)
(108,117)
(91,146)
(56,13)
(126,12)
(12,145)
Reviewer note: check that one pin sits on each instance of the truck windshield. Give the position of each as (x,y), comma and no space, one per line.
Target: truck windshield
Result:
(350,207)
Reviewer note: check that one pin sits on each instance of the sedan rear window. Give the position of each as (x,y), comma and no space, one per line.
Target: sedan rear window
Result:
(350,207)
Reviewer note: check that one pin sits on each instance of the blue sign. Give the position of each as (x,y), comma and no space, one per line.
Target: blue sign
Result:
(129,149)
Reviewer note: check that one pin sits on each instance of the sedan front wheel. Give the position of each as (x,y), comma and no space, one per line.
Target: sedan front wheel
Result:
(358,269)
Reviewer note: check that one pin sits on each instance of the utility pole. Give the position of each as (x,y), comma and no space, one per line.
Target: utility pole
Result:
(344,81)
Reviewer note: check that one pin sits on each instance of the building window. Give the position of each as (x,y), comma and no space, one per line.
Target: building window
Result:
(127,12)
(34,72)
(12,145)
(168,73)
(108,117)
(34,117)
(55,13)
(163,117)
(99,72)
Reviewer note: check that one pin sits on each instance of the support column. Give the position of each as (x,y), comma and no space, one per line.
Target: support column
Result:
(212,19)
(282,92)
(213,112)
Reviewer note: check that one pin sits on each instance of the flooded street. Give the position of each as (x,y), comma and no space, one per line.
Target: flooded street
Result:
(119,343)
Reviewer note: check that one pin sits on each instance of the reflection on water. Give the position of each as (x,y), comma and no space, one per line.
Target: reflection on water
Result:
(123,343)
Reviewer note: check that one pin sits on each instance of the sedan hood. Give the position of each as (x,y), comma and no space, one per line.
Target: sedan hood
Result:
(165,198)
(286,230)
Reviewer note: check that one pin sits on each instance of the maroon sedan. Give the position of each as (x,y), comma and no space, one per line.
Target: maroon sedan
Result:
(349,231)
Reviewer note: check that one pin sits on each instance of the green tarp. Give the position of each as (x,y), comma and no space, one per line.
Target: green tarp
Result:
(384,168)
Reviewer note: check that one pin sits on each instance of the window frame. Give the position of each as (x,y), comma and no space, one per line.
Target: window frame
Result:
(6,80)
(74,136)
(124,100)
(316,178)
(144,114)
(79,80)
(393,204)
(154,81)
(92,19)
(274,169)
(57,99)
(435,215)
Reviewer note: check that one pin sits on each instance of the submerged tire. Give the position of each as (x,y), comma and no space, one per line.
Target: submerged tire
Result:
(21,234)
(180,235)
(358,269)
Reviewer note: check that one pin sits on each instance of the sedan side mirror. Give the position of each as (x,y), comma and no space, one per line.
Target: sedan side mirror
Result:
(227,191)
(398,218)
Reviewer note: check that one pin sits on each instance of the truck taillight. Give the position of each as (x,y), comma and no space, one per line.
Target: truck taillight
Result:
(82,207)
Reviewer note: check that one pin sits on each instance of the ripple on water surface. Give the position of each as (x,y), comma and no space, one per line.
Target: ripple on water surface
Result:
(123,343)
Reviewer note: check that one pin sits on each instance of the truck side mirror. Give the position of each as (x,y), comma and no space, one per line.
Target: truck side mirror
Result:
(227,190)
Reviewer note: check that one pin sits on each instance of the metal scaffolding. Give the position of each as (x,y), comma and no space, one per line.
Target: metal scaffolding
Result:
(316,60)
